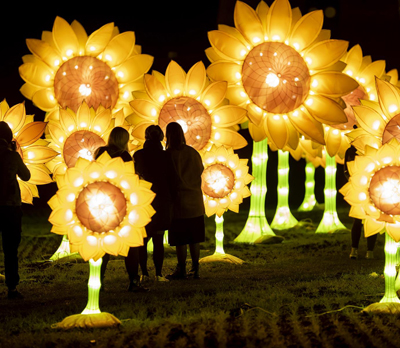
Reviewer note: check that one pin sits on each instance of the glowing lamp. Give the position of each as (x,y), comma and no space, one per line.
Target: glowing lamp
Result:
(194,102)
(33,150)
(99,216)
(67,67)
(224,184)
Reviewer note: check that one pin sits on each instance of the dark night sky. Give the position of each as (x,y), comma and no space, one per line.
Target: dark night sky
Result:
(177,29)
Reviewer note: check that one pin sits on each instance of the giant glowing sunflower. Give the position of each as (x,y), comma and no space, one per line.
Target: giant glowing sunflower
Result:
(198,106)
(224,180)
(33,150)
(102,206)
(373,190)
(282,66)
(67,66)
(78,134)
(379,121)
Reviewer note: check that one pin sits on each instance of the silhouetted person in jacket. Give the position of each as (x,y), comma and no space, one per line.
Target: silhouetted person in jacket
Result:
(154,165)
(11,165)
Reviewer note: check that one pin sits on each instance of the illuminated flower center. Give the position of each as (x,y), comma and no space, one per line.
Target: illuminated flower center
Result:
(217,181)
(101,206)
(192,116)
(351,99)
(85,78)
(384,190)
(392,130)
(81,144)
(275,77)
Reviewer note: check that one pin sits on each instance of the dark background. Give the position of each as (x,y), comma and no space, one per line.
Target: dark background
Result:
(178,30)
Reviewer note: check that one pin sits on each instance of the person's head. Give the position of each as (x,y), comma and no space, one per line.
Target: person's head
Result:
(175,136)
(119,138)
(154,132)
(6,132)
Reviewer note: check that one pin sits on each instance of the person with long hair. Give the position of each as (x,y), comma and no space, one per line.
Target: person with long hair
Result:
(117,146)
(187,226)
(10,206)
(154,165)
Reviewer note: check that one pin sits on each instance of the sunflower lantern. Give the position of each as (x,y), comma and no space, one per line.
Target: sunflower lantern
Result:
(103,208)
(68,66)
(33,150)
(224,184)
(282,67)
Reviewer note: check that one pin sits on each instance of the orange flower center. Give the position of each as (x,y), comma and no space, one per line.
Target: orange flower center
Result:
(81,144)
(384,190)
(192,116)
(275,77)
(85,78)
(101,206)
(392,130)
(217,181)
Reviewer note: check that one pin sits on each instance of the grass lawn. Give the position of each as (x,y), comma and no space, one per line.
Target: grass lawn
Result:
(304,292)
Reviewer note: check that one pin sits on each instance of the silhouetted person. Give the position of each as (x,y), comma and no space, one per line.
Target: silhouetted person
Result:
(154,165)
(11,165)
(118,147)
(187,227)
(357,227)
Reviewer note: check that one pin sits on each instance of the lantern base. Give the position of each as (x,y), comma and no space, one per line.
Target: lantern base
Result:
(222,258)
(84,321)
(383,308)
(268,239)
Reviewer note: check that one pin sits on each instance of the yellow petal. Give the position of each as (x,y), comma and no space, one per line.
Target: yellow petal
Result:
(357,212)
(90,248)
(80,33)
(39,175)
(375,69)
(119,48)
(83,116)
(237,95)
(214,94)
(307,126)
(372,226)
(353,59)
(45,52)
(15,117)
(225,71)
(133,68)
(257,133)
(37,74)
(325,110)
(333,84)
(212,55)
(325,53)
(98,40)
(139,130)
(67,121)
(389,98)
(38,154)
(102,121)
(370,120)
(60,216)
(146,109)
(26,194)
(394,76)
(155,89)
(394,231)
(30,133)
(279,20)
(262,12)
(111,243)
(255,114)
(28,90)
(196,80)
(307,29)
(57,133)
(44,99)
(227,45)
(333,141)
(64,38)
(277,130)
(175,78)
(228,138)
(228,115)
(248,23)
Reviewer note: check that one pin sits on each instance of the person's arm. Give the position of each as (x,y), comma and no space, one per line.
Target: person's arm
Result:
(22,171)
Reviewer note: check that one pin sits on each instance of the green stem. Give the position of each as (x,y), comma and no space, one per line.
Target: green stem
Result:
(309,196)
(219,235)
(390,270)
(63,250)
(283,218)
(330,221)
(94,285)
(257,224)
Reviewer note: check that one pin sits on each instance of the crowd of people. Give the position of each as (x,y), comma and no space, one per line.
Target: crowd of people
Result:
(175,174)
